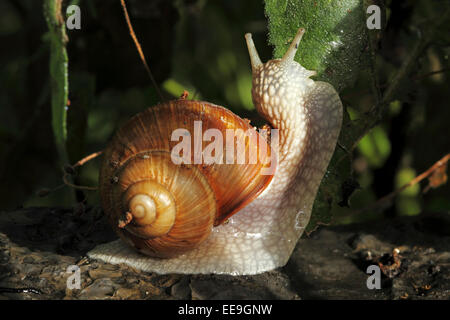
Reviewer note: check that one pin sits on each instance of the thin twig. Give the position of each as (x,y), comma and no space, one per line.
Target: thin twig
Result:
(139,49)
(69,184)
(87,158)
(384,201)
(429,74)
(68,172)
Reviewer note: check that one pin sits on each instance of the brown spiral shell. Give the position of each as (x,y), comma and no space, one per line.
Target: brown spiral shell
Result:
(137,175)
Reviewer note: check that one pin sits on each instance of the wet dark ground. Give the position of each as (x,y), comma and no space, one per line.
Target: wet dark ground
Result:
(37,245)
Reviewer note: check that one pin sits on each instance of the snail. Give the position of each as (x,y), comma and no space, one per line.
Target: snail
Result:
(265,214)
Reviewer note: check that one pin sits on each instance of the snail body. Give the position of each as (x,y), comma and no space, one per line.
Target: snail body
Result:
(263,233)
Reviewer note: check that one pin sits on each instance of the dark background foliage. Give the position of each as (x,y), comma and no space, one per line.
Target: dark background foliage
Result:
(198,45)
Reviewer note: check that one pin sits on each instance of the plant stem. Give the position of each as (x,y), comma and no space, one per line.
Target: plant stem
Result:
(59,82)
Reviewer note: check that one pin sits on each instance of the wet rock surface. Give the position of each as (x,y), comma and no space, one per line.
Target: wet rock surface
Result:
(38,246)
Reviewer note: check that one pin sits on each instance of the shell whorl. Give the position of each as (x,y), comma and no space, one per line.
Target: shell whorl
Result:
(152,207)
(160,208)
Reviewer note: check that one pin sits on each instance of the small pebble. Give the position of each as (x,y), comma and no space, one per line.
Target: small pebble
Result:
(28,259)
(127,293)
(100,289)
(181,289)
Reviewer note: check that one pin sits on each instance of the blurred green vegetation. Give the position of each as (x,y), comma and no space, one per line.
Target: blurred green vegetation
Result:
(199,46)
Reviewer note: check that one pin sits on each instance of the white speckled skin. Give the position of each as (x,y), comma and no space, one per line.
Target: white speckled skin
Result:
(262,236)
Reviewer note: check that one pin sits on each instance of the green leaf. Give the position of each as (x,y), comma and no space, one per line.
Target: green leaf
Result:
(58,73)
(375,146)
(335,39)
